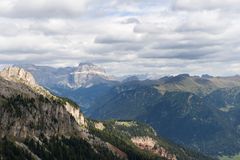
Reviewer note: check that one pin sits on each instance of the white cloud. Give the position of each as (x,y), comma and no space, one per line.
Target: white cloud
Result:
(207,4)
(42,8)
(147,36)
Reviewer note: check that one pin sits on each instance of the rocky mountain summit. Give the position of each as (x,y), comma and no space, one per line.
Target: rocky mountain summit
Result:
(36,125)
(87,75)
(17,74)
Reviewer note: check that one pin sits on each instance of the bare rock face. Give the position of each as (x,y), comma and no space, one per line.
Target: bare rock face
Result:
(149,144)
(16,74)
(77,115)
(21,76)
(29,110)
(145,142)
(99,126)
(86,75)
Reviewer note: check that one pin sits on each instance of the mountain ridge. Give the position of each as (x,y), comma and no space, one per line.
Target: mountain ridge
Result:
(183,108)
(43,126)
(82,76)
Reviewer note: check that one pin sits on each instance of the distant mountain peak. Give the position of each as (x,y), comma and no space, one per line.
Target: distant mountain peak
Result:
(17,74)
(206,76)
(86,75)
(131,78)
(90,68)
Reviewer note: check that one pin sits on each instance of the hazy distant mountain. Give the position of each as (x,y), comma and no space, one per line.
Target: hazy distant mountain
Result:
(35,124)
(130,78)
(142,77)
(83,76)
(87,75)
(201,113)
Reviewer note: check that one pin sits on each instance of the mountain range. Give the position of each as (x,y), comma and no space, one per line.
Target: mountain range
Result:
(84,75)
(35,124)
(198,112)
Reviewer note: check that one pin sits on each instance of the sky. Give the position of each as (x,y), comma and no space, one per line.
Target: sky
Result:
(123,36)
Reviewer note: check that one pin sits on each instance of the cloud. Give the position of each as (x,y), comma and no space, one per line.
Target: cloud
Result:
(126,37)
(110,39)
(131,21)
(207,4)
(42,8)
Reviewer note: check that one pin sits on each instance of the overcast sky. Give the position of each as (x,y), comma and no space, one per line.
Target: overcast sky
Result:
(124,36)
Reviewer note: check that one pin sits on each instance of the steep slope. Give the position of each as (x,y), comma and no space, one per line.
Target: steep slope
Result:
(85,97)
(34,124)
(26,108)
(126,101)
(131,134)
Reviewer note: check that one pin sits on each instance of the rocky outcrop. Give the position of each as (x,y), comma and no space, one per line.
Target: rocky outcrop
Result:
(149,144)
(99,126)
(77,115)
(144,142)
(126,124)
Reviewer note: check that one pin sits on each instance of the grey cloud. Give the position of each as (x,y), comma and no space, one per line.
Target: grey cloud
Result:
(186,54)
(131,21)
(42,8)
(17,51)
(206,4)
(113,39)
(150,28)
(168,41)
(186,44)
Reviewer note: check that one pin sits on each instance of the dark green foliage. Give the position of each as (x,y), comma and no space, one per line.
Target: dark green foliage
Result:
(67,149)
(14,104)
(64,100)
(9,151)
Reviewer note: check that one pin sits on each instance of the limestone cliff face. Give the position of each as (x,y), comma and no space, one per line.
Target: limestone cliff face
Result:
(75,112)
(28,109)
(18,75)
(19,119)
